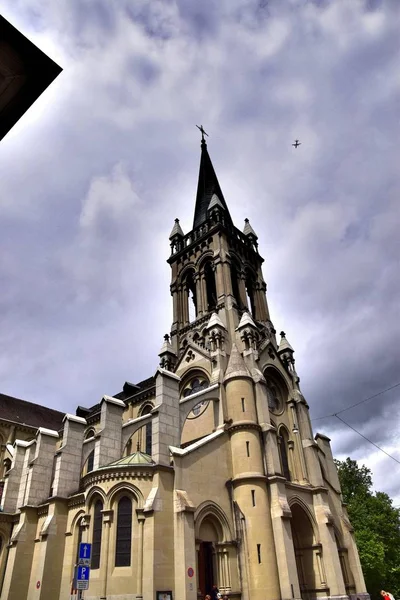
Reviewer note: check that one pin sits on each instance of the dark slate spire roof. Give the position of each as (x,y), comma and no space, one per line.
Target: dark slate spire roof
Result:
(207,186)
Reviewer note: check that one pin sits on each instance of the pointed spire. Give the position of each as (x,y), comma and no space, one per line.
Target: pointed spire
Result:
(246,321)
(207,186)
(248,230)
(215,201)
(284,345)
(215,321)
(236,365)
(176,230)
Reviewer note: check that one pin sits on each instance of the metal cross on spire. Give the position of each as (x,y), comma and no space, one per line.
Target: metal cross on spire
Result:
(202,132)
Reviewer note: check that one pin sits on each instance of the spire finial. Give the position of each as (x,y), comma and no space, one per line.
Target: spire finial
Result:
(203,141)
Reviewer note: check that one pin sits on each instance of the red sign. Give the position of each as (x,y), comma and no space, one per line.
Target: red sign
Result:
(37,585)
(190,572)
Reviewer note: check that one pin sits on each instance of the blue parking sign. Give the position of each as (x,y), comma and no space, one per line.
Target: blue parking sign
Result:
(83,574)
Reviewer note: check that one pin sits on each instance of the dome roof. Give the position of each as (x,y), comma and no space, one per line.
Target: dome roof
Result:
(137,458)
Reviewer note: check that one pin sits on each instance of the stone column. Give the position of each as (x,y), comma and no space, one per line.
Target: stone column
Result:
(199,300)
(9,501)
(303,475)
(139,586)
(333,569)
(39,467)
(68,458)
(104,561)
(166,425)
(281,515)
(109,438)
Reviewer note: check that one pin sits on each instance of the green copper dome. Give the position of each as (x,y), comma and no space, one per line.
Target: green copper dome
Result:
(137,458)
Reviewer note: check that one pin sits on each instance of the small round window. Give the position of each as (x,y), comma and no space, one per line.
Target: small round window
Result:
(192,387)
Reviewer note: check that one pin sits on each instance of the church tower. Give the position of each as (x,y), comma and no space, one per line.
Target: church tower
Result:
(215,267)
(205,473)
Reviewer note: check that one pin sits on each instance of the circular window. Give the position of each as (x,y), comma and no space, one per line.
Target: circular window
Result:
(192,387)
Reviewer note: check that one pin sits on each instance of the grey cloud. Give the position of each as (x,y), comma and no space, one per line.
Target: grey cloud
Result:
(78,297)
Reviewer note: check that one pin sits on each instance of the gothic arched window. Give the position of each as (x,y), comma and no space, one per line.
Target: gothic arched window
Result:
(96,537)
(148,430)
(124,533)
(192,387)
(90,462)
(274,403)
(235,282)
(190,287)
(210,286)
(283,451)
(250,287)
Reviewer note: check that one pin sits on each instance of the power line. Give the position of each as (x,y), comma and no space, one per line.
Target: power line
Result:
(358,403)
(365,438)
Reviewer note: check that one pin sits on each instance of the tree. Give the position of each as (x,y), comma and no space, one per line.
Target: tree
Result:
(376,525)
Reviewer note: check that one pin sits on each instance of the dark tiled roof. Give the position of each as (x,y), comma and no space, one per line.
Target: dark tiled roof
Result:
(207,186)
(27,413)
(129,390)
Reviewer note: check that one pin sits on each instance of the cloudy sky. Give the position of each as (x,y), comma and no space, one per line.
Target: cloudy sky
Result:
(94,174)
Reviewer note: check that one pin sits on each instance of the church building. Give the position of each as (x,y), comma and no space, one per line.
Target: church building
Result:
(206,473)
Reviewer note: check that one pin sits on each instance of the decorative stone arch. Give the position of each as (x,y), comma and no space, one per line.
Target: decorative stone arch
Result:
(274,378)
(79,515)
(131,427)
(211,511)
(86,450)
(91,496)
(127,489)
(210,394)
(203,258)
(90,433)
(307,549)
(191,373)
(191,266)
(297,500)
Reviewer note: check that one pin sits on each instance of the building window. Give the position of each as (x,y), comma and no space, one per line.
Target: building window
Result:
(250,286)
(96,539)
(191,300)
(274,403)
(80,530)
(196,385)
(89,434)
(259,553)
(235,283)
(210,286)
(90,462)
(253,497)
(243,407)
(147,430)
(283,449)
(248,448)
(124,533)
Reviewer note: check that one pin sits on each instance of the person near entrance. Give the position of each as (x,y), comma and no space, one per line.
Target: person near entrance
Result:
(215,595)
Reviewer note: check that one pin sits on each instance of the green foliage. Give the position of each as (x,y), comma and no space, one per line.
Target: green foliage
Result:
(377,528)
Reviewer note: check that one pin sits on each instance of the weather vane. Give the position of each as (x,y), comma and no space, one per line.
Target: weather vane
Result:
(203,133)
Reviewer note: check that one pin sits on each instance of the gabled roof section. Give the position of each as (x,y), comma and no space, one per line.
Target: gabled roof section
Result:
(207,186)
(28,413)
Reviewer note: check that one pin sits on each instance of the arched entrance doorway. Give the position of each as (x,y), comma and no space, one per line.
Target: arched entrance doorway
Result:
(210,534)
(307,554)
